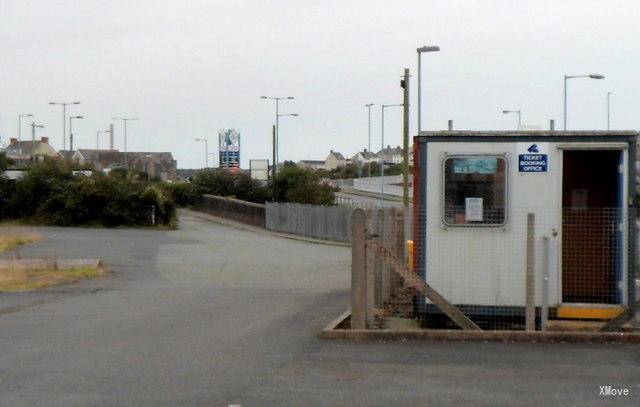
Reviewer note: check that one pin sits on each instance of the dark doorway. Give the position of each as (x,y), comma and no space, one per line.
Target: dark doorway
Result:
(591,215)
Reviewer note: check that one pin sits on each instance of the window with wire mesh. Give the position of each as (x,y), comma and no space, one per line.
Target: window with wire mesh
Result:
(475,190)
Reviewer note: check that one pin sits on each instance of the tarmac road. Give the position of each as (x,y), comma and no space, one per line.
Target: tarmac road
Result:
(211,315)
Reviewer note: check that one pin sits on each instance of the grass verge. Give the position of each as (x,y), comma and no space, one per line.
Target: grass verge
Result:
(10,242)
(31,280)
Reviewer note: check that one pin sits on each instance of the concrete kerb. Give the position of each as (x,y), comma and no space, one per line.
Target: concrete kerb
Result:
(331,331)
(244,226)
(41,264)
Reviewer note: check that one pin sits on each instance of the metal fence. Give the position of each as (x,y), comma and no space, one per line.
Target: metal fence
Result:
(530,269)
(317,221)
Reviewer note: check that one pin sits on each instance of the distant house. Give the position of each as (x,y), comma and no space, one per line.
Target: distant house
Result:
(364,157)
(390,155)
(24,151)
(311,164)
(161,165)
(334,160)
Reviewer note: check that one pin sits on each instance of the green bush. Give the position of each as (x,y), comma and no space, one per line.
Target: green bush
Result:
(182,193)
(222,183)
(50,193)
(300,185)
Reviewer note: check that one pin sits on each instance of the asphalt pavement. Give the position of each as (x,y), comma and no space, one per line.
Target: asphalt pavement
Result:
(211,315)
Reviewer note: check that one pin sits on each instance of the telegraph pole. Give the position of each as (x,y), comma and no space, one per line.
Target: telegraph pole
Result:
(404,83)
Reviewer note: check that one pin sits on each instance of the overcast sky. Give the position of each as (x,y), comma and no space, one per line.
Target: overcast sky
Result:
(189,68)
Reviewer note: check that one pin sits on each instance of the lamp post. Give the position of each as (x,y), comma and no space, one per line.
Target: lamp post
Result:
(608,110)
(20,116)
(519,113)
(382,153)
(33,139)
(425,48)
(71,130)
(590,76)
(278,115)
(368,106)
(206,151)
(125,120)
(64,120)
(98,133)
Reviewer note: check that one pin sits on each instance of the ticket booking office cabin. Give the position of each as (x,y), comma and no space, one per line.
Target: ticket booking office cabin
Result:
(473,191)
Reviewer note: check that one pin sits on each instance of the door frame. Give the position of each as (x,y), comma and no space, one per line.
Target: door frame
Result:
(622,283)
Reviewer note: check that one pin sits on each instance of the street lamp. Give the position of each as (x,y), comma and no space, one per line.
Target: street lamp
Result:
(278,115)
(64,120)
(519,112)
(71,130)
(206,151)
(608,110)
(425,48)
(382,153)
(20,116)
(590,76)
(125,120)
(368,106)
(33,139)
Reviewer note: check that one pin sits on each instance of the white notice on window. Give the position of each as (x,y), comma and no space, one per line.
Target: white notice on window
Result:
(473,209)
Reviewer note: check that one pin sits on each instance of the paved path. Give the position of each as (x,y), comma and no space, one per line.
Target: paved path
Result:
(211,315)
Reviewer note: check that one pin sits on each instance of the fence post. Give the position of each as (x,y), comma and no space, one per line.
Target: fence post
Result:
(373,265)
(358,270)
(544,312)
(530,315)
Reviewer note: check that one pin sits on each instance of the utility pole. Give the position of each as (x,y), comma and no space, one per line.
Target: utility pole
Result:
(273,165)
(369,131)
(404,83)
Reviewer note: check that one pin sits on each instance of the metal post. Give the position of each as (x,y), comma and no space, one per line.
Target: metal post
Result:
(519,119)
(358,269)
(126,163)
(419,92)
(544,312)
(369,132)
(206,151)
(71,133)
(530,310)
(564,121)
(552,125)
(273,166)
(64,126)
(382,162)
(608,110)
(33,142)
(277,133)
(405,142)
(450,125)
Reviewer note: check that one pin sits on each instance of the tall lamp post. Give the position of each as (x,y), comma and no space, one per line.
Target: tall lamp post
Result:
(71,130)
(98,133)
(206,151)
(590,76)
(125,120)
(382,153)
(421,50)
(368,106)
(608,110)
(278,115)
(64,120)
(519,113)
(33,139)
(20,116)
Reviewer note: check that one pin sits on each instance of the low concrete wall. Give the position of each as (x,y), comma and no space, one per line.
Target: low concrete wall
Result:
(392,185)
(317,221)
(241,211)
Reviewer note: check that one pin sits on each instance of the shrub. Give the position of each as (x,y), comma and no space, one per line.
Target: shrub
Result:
(222,183)
(50,193)
(300,185)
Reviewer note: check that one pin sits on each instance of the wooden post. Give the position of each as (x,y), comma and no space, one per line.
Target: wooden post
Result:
(530,315)
(358,270)
(544,311)
(372,264)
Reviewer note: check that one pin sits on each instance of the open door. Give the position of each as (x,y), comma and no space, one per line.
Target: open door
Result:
(592,241)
